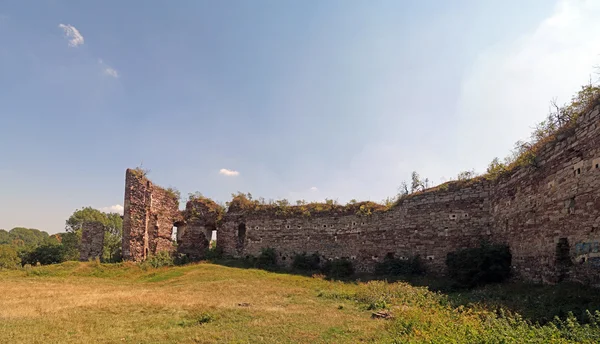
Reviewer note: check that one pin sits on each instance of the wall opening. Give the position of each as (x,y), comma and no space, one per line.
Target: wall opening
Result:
(241,236)
(213,239)
(174,234)
(563,258)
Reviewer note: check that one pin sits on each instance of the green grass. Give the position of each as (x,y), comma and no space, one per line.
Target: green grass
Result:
(207,303)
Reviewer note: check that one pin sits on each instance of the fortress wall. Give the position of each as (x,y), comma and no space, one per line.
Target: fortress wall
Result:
(430,225)
(549,214)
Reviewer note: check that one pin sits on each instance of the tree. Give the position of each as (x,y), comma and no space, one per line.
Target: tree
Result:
(28,237)
(417,184)
(9,259)
(4,237)
(113,224)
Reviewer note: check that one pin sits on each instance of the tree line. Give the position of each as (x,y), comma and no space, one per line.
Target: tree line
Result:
(21,246)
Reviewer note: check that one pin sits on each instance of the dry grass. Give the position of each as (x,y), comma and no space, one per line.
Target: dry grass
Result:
(91,303)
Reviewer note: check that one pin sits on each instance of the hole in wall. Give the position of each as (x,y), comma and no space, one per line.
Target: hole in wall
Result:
(241,234)
(213,239)
(174,234)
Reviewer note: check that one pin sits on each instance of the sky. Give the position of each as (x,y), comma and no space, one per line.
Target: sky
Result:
(283,99)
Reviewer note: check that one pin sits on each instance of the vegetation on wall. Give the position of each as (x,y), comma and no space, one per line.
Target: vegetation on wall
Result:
(244,202)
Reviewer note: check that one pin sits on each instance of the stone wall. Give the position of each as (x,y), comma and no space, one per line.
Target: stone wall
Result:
(429,224)
(194,234)
(148,217)
(548,212)
(92,240)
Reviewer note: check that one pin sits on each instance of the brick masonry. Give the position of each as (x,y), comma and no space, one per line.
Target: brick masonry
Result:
(547,212)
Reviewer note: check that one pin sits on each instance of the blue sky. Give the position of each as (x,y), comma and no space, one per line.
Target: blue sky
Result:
(302,99)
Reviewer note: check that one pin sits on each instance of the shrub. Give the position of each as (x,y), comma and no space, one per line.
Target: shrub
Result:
(477,266)
(45,254)
(400,267)
(338,268)
(305,262)
(214,252)
(162,258)
(267,258)
(9,259)
(181,259)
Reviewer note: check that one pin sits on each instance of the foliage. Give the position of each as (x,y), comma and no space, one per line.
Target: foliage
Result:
(173,193)
(244,202)
(214,252)
(113,225)
(181,259)
(466,175)
(400,267)
(159,260)
(9,259)
(28,237)
(214,209)
(304,262)
(267,259)
(488,263)
(45,254)
(338,268)
(140,172)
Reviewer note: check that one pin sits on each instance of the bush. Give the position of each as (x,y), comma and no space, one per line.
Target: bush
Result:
(181,259)
(44,255)
(477,266)
(400,267)
(338,268)
(214,252)
(267,259)
(9,259)
(162,258)
(305,262)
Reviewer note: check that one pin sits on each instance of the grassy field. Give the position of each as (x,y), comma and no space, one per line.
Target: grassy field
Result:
(207,303)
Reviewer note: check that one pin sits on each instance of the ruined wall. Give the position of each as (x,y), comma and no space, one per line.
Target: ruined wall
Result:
(549,212)
(193,235)
(92,240)
(148,217)
(430,225)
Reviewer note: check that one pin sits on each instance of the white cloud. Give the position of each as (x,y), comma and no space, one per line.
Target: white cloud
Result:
(75,38)
(117,208)
(509,87)
(108,70)
(229,173)
(111,72)
(314,189)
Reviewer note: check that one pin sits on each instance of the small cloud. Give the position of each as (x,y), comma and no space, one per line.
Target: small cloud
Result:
(75,38)
(314,189)
(117,208)
(111,72)
(108,70)
(229,173)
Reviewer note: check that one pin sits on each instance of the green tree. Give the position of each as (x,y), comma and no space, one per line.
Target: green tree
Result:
(9,258)
(4,237)
(71,240)
(29,237)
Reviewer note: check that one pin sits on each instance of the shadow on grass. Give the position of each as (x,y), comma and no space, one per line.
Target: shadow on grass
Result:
(535,302)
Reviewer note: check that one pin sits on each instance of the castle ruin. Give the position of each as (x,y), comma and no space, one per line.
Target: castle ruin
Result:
(547,212)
